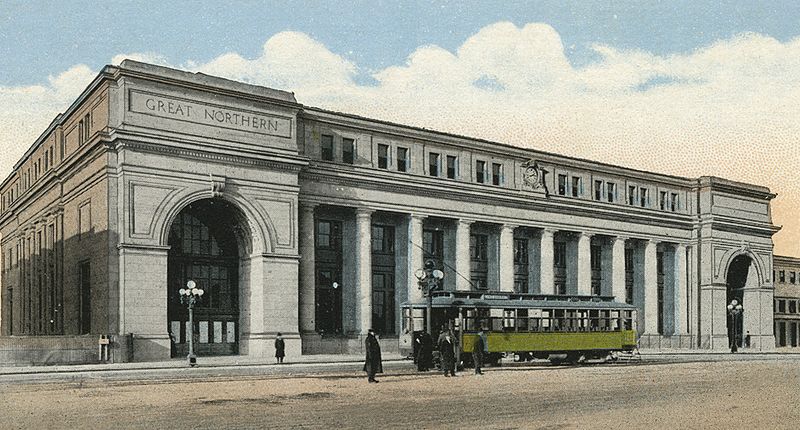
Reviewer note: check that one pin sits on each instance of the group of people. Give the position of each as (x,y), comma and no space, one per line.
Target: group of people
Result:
(447,345)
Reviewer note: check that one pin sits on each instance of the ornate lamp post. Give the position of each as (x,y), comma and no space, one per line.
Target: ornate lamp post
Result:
(190,296)
(735,310)
(428,280)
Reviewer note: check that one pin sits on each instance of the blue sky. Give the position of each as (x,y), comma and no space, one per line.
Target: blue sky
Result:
(687,88)
(38,39)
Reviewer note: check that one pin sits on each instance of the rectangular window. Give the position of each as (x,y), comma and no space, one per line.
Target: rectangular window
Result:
(324,234)
(596,257)
(673,202)
(662,200)
(792,278)
(451,166)
(792,306)
(87,127)
(577,185)
(598,190)
(85,285)
(562,185)
(326,147)
(631,195)
(347,150)
(644,198)
(433,244)
(782,276)
(497,173)
(383,239)
(782,306)
(478,247)
(560,255)
(433,164)
(402,159)
(383,156)
(480,172)
(611,192)
(520,251)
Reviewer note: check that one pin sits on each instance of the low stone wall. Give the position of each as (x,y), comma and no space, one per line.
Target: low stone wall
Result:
(52,350)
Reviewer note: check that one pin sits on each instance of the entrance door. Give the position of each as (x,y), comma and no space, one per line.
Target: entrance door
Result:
(203,249)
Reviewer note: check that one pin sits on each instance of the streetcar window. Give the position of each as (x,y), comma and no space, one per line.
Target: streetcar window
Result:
(509,320)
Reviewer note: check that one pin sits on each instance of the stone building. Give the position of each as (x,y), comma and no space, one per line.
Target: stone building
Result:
(786,276)
(309,222)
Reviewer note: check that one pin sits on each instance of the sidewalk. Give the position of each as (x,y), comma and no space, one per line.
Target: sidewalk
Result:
(202,362)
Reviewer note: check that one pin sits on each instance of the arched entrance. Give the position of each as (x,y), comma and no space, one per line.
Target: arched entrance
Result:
(205,242)
(739,271)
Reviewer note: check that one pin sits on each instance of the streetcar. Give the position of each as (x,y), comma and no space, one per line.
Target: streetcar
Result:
(559,328)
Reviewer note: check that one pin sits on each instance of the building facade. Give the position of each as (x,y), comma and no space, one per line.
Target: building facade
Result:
(309,222)
(786,276)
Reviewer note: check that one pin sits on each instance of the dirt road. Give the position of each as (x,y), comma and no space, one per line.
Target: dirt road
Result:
(725,395)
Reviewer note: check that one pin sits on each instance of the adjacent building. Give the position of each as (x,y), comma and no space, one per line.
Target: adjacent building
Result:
(311,223)
(786,276)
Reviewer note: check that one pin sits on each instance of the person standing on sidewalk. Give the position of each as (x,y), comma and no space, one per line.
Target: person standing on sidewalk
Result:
(280,348)
(477,352)
(448,353)
(372,364)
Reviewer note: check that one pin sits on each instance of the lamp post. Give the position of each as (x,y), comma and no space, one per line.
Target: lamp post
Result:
(190,296)
(428,280)
(734,310)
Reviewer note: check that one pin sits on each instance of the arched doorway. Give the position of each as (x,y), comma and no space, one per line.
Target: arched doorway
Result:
(205,245)
(739,272)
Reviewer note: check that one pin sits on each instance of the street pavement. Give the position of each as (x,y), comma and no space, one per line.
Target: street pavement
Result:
(660,391)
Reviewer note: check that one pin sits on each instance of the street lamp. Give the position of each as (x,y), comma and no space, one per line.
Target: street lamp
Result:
(734,310)
(189,297)
(428,280)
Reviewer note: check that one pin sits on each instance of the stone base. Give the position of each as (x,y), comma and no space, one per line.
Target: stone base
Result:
(153,347)
(313,344)
(263,344)
(657,341)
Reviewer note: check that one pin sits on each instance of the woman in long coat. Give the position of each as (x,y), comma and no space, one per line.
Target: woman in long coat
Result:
(448,353)
(424,352)
(372,364)
(280,348)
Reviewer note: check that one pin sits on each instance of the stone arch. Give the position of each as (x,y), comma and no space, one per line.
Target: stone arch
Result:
(730,256)
(259,238)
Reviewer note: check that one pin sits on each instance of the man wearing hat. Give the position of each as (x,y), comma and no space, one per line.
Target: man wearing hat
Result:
(373,364)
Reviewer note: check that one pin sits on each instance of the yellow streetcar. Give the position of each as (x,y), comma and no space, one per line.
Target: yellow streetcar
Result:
(560,328)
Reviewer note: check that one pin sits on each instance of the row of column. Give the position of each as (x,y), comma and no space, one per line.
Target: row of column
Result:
(363,261)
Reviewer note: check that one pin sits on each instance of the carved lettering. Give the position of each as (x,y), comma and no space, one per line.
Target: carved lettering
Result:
(210,115)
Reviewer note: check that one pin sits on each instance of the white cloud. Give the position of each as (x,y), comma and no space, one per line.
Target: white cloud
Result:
(729,109)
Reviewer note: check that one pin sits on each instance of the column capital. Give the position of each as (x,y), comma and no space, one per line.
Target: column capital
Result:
(511,227)
(416,216)
(619,239)
(652,241)
(586,235)
(364,212)
(465,221)
(547,231)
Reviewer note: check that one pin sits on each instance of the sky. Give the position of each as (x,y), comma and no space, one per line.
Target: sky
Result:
(688,88)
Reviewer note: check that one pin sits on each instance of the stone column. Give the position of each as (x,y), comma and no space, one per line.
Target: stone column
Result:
(307,289)
(416,257)
(650,288)
(679,287)
(462,255)
(618,269)
(547,276)
(506,266)
(585,264)
(363,259)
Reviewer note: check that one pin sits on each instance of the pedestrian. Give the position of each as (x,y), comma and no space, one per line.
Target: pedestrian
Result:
(372,364)
(448,354)
(747,340)
(478,349)
(280,348)
(424,352)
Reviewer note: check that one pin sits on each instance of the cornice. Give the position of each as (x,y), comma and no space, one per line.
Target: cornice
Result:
(287,164)
(501,197)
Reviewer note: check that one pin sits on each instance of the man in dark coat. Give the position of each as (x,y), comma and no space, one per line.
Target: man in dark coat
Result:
(280,348)
(424,352)
(477,352)
(448,354)
(372,364)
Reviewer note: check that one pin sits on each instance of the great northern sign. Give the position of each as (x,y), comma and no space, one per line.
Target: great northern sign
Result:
(207,114)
